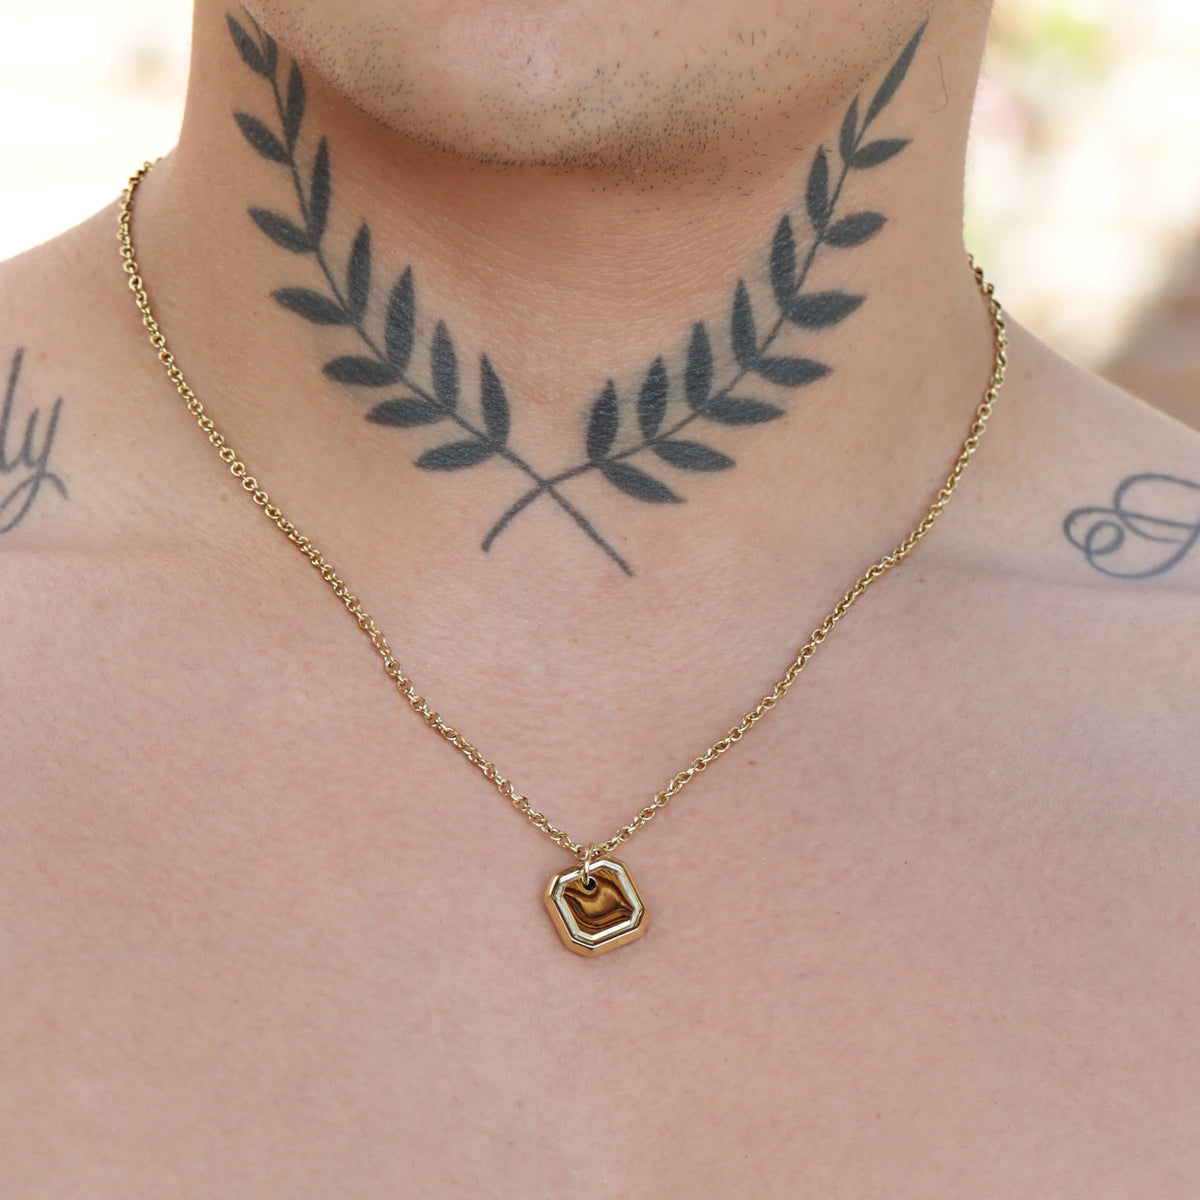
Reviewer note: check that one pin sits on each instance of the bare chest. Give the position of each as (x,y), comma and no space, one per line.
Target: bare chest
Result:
(263,936)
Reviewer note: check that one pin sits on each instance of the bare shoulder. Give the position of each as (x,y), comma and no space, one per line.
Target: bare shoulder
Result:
(1075,558)
(32,420)
(85,518)
(71,414)
(1086,487)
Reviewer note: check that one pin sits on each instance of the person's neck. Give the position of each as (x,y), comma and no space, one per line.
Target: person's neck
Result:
(556,291)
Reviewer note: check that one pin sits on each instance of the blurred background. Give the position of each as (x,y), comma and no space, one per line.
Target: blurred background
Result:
(1083,182)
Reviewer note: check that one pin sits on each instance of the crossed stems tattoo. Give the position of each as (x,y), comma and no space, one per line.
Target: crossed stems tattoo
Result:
(388,361)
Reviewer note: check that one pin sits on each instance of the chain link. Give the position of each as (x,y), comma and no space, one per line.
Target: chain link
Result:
(395,672)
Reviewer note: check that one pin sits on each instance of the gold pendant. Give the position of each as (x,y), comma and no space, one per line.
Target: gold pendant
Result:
(592,920)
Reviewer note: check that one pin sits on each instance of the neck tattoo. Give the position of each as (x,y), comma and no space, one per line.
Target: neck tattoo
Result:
(677,404)
(596,905)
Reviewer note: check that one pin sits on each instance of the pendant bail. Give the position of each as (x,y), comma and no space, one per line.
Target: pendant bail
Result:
(586,876)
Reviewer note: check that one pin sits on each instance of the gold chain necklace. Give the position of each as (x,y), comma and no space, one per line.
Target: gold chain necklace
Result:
(596,905)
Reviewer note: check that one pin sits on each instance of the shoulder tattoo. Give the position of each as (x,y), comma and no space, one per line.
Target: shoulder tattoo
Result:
(27,438)
(1151,525)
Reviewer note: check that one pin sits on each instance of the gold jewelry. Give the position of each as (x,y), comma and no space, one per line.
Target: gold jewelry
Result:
(596,905)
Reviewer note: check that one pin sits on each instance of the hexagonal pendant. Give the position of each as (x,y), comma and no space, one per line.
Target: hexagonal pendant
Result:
(592,921)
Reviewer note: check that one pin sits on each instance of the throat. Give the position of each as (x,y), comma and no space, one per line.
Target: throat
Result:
(405,329)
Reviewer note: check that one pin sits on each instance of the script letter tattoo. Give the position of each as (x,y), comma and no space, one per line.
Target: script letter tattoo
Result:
(1152,524)
(23,456)
(677,393)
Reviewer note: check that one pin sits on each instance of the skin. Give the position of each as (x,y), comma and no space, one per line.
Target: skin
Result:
(626,88)
(928,931)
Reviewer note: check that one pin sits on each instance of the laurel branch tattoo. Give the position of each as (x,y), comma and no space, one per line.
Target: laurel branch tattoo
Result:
(665,408)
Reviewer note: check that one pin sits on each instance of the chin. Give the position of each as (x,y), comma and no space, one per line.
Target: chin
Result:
(614,85)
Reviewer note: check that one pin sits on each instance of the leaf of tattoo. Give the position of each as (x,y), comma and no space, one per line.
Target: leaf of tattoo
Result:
(698,375)
(894,78)
(602,424)
(281,231)
(358,274)
(816,195)
(401,319)
(319,192)
(445,368)
(848,137)
(405,413)
(270,56)
(822,309)
(494,403)
(638,484)
(783,261)
(313,306)
(854,229)
(261,138)
(733,410)
(365,372)
(293,115)
(874,153)
(652,402)
(743,334)
(252,56)
(791,372)
(454,456)
(691,456)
